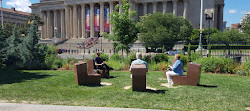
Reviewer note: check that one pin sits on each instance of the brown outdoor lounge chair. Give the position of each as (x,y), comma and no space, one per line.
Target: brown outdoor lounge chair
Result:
(139,77)
(91,67)
(82,77)
(192,77)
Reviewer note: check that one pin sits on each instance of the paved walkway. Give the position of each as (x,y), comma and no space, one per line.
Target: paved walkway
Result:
(37,107)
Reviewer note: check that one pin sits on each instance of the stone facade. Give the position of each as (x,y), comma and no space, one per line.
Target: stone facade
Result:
(14,17)
(67,18)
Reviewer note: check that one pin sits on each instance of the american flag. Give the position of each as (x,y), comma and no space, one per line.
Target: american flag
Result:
(0,1)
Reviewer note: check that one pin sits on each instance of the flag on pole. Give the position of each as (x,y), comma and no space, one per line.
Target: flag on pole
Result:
(1,1)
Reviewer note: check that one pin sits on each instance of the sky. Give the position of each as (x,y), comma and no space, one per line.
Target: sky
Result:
(233,10)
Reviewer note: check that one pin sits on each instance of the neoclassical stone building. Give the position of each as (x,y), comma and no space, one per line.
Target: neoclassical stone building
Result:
(77,19)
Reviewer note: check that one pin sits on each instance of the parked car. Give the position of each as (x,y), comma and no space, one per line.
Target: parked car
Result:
(173,52)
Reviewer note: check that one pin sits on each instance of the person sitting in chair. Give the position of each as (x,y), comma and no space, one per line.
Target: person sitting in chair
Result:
(99,63)
(138,61)
(176,70)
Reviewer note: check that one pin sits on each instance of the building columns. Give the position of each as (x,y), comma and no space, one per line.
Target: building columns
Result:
(79,17)
(43,31)
(62,24)
(83,21)
(70,22)
(154,7)
(175,9)
(101,17)
(185,9)
(145,8)
(49,25)
(111,6)
(92,20)
(67,20)
(75,21)
(55,28)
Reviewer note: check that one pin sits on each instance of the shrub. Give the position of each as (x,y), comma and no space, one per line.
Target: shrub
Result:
(184,60)
(195,56)
(116,57)
(154,67)
(105,57)
(163,65)
(147,58)
(246,66)
(160,58)
(132,56)
(210,64)
(116,65)
(217,65)
(228,65)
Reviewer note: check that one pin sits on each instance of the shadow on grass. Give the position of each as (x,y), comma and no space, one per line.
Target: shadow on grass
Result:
(208,86)
(154,91)
(13,76)
(111,77)
(92,85)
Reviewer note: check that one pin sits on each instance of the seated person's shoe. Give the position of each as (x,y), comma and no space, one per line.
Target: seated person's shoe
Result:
(110,68)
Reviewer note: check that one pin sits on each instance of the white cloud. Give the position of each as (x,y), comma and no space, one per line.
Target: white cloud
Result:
(21,5)
(243,12)
(232,11)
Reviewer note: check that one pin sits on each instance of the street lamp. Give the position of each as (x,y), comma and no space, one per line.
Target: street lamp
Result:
(201,21)
(209,16)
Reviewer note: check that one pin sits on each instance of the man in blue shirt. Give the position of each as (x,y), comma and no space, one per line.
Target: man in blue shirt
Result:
(138,61)
(177,70)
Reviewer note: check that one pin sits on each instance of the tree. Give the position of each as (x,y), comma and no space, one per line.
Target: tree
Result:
(34,17)
(161,29)
(2,47)
(12,55)
(228,37)
(124,28)
(246,28)
(32,55)
(195,36)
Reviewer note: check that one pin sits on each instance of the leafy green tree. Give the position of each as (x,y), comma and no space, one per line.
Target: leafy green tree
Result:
(195,36)
(13,49)
(228,37)
(124,28)
(161,29)
(246,28)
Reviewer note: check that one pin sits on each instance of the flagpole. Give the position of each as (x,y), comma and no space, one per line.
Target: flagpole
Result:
(2,12)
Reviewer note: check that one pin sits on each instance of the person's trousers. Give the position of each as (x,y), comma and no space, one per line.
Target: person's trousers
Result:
(169,76)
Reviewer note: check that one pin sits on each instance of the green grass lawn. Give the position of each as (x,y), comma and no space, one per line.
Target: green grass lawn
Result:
(59,87)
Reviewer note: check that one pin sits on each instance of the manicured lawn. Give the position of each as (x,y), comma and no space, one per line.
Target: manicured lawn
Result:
(223,92)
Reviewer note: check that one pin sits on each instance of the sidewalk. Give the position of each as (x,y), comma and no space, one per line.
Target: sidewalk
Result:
(37,107)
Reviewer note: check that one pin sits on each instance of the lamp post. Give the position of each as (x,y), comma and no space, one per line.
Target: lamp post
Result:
(201,19)
(209,16)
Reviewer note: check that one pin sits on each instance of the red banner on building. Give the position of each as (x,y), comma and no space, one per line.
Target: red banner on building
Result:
(106,19)
(97,19)
(87,18)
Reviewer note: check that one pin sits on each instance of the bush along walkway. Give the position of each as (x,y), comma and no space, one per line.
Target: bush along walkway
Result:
(216,92)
